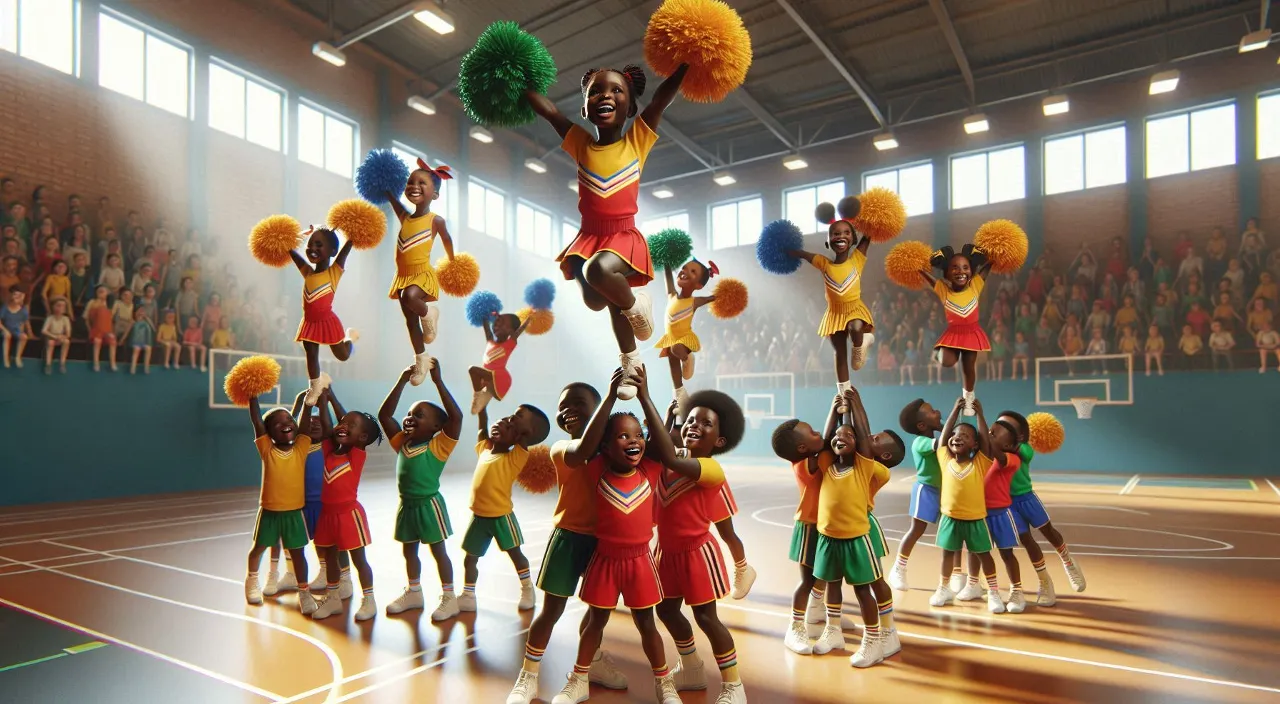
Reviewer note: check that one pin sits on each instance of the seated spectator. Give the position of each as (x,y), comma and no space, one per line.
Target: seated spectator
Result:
(187,301)
(122,315)
(193,342)
(910,360)
(1097,347)
(998,356)
(167,338)
(57,285)
(1225,313)
(141,338)
(1267,289)
(148,304)
(1021,355)
(21,226)
(1221,344)
(81,280)
(1258,314)
(1190,264)
(1117,260)
(1128,343)
(97,314)
(886,362)
(1224,286)
(15,326)
(1045,337)
(1079,303)
(9,244)
(142,279)
(56,333)
(8,273)
(76,244)
(1191,346)
(112,274)
(1128,314)
(1215,260)
(1235,274)
(49,253)
(1199,320)
(1099,319)
(1071,345)
(1052,314)
(1194,296)
(1268,341)
(1135,288)
(1154,350)
(1163,274)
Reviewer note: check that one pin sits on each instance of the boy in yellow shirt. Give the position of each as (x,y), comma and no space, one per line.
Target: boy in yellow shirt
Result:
(503,450)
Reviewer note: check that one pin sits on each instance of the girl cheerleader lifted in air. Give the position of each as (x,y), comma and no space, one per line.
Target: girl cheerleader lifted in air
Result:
(491,380)
(320,325)
(680,342)
(963,277)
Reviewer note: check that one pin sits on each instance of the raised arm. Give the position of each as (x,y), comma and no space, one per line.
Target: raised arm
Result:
(864,244)
(861,427)
(984,439)
(659,439)
(663,97)
(338,410)
(802,254)
(326,423)
(700,301)
(671,281)
(341,260)
(520,330)
(950,427)
(488,331)
(928,278)
(583,449)
(255,415)
(984,270)
(304,267)
(387,411)
(833,421)
(548,111)
(396,206)
(304,423)
(442,231)
(453,420)
(483,421)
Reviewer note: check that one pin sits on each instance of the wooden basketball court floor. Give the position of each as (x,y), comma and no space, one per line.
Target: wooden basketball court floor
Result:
(141,600)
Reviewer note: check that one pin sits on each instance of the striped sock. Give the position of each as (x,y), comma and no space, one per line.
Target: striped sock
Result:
(581,671)
(415,585)
(523,575)
(992,583)
(1038,565)
(1064,553)
(367,591)
(254,576)
(902,559)
(728,664)
(833,615)
(741,564)
(331,590)
(871,632)
(957,570)
(533,658)
(1017,587)
(973,580)
(447,587)
(469,588)
(344,573)
(886,614)
(817,592)
(688,654)
(275,563)
(797,615)
(658,672)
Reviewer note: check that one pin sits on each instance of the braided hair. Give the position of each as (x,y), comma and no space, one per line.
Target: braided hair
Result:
(632,74)
(942,257)
(376,435)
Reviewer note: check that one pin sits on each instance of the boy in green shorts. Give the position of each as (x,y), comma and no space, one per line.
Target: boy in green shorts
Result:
(422,447)
(502,452)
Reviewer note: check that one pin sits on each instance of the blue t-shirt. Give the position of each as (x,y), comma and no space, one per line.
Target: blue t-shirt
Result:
(141,334)
(14,320)
(313,476)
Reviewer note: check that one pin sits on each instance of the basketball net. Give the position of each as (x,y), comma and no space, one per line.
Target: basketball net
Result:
(1084,407)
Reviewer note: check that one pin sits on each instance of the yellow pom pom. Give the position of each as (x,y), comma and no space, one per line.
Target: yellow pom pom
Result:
(273,238)
(731,298)
(1004,243)
(882,216)
(706,34)
(360,221)
(541,322)
(250,378)
(905,261)
(1045,432)
(539,473)
(458,276)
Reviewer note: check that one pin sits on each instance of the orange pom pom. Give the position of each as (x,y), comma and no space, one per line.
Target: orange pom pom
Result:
(540,322)
(539,473)
(1045,432)
(882,216)
(458,276)
(250,378)
(360,221)
(706,34)
(1004,243)
(905,261)
(273,238)
(731,298)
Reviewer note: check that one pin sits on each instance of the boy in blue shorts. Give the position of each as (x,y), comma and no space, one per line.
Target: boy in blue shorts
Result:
(922,420)
(1003,524)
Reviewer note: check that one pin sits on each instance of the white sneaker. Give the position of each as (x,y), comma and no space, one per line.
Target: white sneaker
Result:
(314,389)
(743,578)
(466,601)
(318,584)
(344,586)
(1046,596)
(406,601)
(429,327)
(629,363)
(525,689)
(605,672)
(273,584)
(815,611)
(686,367)
(641,316)
(869,653)
(664,688)
(859,358)
(943,596)
(890,643)
(1074,574)
(832,638)
(957,581)
(732,693)
(971,592)
(422,363)
(575,690)
(968,408)
(306,603)
(897,577)
(480,400)
(689,678)
(797,639)
(368,609)
(994,604)
(447,609)
(526,596)
(252,592)
(287,583)
(353,335)
(682,402)
(331,605)
(1017,602)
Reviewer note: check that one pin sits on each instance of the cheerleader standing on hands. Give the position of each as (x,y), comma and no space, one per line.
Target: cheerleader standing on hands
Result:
(320,325)
(680,342)
(964,276)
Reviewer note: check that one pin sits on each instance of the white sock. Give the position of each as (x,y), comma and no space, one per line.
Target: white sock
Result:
(968,397)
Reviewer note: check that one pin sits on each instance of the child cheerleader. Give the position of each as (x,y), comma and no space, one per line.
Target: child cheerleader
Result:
(679,343)
(415,285)
(491,380)
(610,257)
(964,275)
(320,325)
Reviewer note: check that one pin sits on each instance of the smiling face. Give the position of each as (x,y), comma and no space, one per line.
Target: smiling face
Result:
(840,236)
(420,189)
(701,432)
(607,101)
(575,408)
(624,443)
(320,246)
(843,443)
(422,421)
(963,442)
(280,427)
(508,431)
(352,430)
(692,276)
(958,271)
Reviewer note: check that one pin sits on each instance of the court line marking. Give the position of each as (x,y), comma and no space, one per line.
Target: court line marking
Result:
(1044,656)
(149,563)
(124,528)
(1273,486)
(1133,482)
(43,560)
(70,564)
(103,514)
(225,679)
(248,492)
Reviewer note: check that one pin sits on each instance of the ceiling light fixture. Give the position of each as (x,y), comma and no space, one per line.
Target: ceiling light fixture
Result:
(480,134)
(724,179)
(974,124)
(885,141)
(1164,82)
(329,53)
(795,162)
(663,193)
(434,17)
(1254,41)
(1056,105)
(535,165)
(422,105)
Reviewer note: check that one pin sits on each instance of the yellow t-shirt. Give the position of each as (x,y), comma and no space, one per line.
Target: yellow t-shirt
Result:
(220,339)
(167,332)
(964,497)
(843,281)
(495,474)
(283,474)
(878,480)
(845,499)
(576,505)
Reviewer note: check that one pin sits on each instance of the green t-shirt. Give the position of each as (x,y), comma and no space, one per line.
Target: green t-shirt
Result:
(418,467)
(1021,482)
(925,457)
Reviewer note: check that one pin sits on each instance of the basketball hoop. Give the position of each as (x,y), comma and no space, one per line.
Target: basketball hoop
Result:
(1084,407)
(756,419)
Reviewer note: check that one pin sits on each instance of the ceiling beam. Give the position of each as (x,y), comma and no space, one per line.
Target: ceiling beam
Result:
(765,117)
(377,24)
(859,85)
(704,157)
(953,41)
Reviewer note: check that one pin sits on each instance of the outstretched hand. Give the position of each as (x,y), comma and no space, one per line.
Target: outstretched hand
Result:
(641,379)
(435,372)
(619,378)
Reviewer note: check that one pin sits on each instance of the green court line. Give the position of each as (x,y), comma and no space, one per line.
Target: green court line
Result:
(37,661)
(1196,483)
(73,650)
(77,649)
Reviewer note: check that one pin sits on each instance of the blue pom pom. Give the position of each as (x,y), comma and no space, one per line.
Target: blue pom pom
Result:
(539,294)
(382,172)
(776,239)
(481,306)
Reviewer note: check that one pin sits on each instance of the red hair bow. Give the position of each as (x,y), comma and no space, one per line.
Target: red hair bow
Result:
(712,268)
(443,171)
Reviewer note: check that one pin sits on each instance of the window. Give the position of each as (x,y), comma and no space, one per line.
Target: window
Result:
(736,223)
(1269,126)
(995,176)
(447,203)
(798,204)
(326,139)
(486,209)
(1192,140)
(533,229)
(1084,160)
(568,231)
(245,106)
(913,184)
(676,221)
(138,62)
(45,31)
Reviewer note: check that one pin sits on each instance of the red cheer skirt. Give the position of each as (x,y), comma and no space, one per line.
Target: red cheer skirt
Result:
(964,337)
(621,238)
(321,328)
(501,381)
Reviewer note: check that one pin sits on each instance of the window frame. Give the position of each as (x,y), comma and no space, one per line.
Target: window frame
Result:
(815,186)
(987,152)
(250,76)
(488,187)
(1257,112)
(537,210)
(667,216)
(1189,112)
(77,20)
(148,30)
(327,113)
(1084,158)
(898,171)
(710,241)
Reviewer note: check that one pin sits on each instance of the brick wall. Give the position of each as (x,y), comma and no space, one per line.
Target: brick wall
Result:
(1091,217)
(1269,213)
(964,223)
(1196,202)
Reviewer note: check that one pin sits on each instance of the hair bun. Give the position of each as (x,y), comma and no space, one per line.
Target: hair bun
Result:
(635,74)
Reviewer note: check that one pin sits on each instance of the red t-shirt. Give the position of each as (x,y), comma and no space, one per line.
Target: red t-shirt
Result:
(1199,321)
(996,482)
(625,505)
(341,474)
(685,511)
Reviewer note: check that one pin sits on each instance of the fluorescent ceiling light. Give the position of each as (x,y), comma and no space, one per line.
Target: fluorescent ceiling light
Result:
(795,162)
(422,105)
(535,165)
(1056,105)
(884,141)
(437,19)
(480,134)
(725,179)
(573,185)
(663,192)
(1164,82)
(1254,41)
(329,53)
(974,124)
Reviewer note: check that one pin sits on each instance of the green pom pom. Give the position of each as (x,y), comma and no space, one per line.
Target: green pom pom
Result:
(670,249)
(505,62)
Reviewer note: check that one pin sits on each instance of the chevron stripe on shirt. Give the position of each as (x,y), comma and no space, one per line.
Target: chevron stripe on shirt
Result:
(607,185)
(624,501)
(404,244)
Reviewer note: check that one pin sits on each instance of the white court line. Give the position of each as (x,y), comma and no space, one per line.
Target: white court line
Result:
(1133,482)
(149,563)
(146,651)
(123,528)
(55,558)
(69,564)
(103,514)
(1042,656)
(76,511)
(1273,486)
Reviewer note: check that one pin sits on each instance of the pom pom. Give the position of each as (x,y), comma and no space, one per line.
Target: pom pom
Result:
(380,173)
(540,320)
(849,207)
(539,473)
(250,378)
(493,77)
(1004,243)
(362,223)
(273,238)
(1045,432)
(482,306)
(539,294)
(670,249)
(905,261)
(458,276)
(883,215)
(825,213)
(776,240)
(706,34)
(731,298)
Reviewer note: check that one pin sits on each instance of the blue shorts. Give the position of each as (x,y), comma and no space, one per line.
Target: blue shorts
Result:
(1004,526)
(311,514)
(926,502)
(1029,508)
